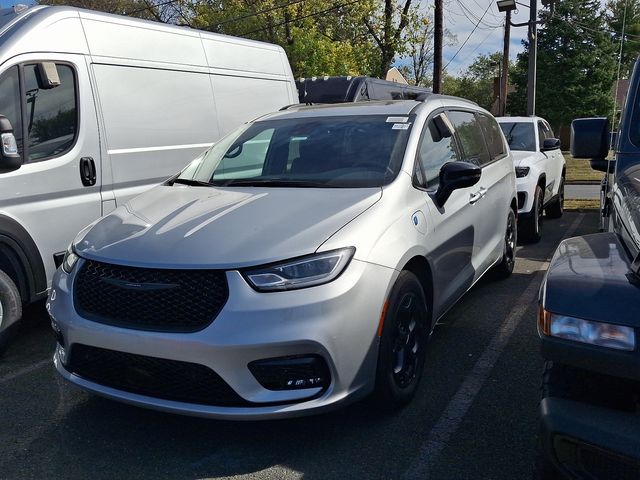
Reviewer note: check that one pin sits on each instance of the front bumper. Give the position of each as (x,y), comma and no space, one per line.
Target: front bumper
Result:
(337,321)
(585,441)
(525,186)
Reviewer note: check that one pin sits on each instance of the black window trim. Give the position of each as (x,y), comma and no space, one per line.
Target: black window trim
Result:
(416,162)
(23,108)
(504,146)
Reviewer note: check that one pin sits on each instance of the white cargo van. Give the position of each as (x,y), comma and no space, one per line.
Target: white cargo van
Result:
(103,107)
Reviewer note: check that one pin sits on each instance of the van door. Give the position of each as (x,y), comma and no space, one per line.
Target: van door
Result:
(56,192)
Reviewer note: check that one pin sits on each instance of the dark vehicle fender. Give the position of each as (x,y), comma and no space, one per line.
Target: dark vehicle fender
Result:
(19,249)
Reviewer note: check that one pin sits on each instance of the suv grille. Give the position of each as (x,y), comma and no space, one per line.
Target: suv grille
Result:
(150,299)
(154,377)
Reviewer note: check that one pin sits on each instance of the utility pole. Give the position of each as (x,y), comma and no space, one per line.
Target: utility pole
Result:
(504,80)
(533,57)
(437,47)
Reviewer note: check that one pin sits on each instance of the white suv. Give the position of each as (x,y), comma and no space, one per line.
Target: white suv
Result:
(540,172)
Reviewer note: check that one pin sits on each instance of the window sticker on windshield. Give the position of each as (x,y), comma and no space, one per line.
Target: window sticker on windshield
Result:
(400,126)
(397,119)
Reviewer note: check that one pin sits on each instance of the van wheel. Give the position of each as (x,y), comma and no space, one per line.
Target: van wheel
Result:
(402,344)
(505,268)
(556,208)
(529,225)
(10,310)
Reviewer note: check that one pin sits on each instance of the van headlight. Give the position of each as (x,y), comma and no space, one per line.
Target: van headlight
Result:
(301,272)
(70,259)
(602,334)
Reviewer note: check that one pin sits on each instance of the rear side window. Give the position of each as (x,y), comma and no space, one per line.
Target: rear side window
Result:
(51,113)
(433,152)
(471,138)
(493,135)
(10,102)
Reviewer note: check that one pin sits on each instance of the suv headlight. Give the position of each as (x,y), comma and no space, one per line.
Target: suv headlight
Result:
(522,172)
(70,259)
(301,272)
(586,331)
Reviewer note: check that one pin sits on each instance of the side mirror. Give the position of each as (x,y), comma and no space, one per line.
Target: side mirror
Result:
(456,175)
(9,157)
(550,144)
(590,138)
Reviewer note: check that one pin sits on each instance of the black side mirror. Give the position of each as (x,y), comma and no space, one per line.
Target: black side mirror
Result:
(590,138)
(9,157)
(456,175)
(550,144)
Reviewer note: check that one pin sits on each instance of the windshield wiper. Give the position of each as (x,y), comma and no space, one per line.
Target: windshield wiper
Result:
(265,182)
(188,181)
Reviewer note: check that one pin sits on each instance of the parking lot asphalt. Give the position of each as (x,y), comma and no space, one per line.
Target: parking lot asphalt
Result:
(474,416)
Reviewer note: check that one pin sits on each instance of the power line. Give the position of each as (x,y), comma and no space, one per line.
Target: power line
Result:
(472,32)
(254,14)
(150,7)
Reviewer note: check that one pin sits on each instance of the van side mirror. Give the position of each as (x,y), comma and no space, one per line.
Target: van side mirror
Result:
(456,175)
(550,144)
(9,157)
(590,140)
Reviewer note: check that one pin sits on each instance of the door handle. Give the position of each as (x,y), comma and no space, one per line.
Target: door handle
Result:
(87,171)
(474,197)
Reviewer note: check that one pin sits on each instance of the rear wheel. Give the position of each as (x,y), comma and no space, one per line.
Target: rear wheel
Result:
(529,225)
(505,268)
(402,343)
(556,208)
(10,310)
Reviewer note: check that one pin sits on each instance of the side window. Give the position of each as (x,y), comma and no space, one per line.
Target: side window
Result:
(544,132)
(433,152)
(471,138)
(10,102)
(51,113)
(493,135)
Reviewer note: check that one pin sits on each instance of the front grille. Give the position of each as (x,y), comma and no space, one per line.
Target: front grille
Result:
(150,299)
(153,377)
(588,461)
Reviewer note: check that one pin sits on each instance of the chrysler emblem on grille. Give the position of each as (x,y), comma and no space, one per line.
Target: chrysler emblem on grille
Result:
(138,286)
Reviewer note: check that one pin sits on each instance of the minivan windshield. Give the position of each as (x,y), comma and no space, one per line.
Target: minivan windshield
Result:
(326,152)
(520,135)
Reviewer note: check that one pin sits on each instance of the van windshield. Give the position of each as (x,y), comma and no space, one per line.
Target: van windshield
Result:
(329,152)
(520,135)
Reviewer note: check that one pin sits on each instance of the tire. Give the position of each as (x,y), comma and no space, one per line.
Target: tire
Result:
(556,208)
(529,226)
(504,269)
(10,310)
(403,343)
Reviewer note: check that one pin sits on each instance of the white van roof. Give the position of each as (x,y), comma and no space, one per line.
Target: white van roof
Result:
(105,36)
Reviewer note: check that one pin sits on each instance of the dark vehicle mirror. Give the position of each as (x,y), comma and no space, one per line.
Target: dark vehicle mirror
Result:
(590,138)
(9,157)
(550,144)
(443,125)
(453,176)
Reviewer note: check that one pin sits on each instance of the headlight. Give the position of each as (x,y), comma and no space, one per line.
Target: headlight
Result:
(522,172)
(70,259)
(302,272)
(586,331)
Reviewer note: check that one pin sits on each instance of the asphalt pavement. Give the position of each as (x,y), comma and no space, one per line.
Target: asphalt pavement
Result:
(474,416)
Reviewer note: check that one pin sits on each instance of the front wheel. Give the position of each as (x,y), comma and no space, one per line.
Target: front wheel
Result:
(556,208)
(505,268)
(530,225)
(10,310)
(402,344)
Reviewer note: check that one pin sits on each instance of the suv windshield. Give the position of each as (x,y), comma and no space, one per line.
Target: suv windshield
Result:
(342,151)
(520,135)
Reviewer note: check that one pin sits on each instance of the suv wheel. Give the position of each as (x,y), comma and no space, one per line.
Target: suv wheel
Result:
(530,225)
(10,310)
(556,208)
(505,268)
(402,343)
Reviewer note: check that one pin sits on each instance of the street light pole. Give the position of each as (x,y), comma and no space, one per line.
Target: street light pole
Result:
(533,57)
(504,79)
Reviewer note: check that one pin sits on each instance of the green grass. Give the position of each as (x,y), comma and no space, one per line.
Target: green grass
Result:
(581,204)
(579,170)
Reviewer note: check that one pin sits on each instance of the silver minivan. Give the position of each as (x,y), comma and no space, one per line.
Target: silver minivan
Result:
(98,108)
(300,263)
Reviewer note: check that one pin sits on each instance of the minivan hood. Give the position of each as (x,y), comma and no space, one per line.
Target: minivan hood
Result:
(208,227)
(521,158)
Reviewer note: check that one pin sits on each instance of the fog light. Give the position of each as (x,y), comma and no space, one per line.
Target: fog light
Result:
(291,373)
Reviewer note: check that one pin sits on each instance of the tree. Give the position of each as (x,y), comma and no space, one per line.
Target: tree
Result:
(576,65)
(158,10)
(615,21)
